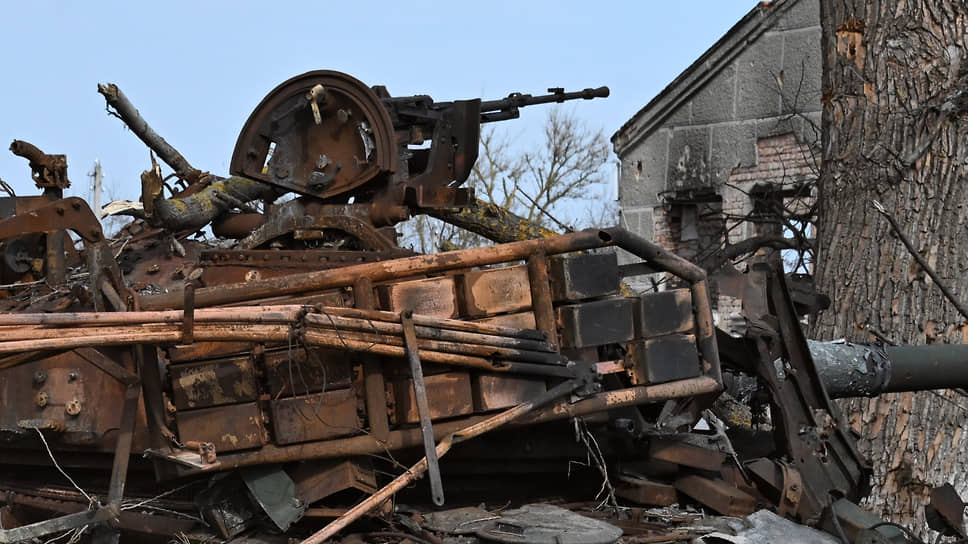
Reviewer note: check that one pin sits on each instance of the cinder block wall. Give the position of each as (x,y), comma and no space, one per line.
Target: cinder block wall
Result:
(761,80)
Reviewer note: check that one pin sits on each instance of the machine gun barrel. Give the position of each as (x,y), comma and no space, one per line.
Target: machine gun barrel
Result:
(507,108)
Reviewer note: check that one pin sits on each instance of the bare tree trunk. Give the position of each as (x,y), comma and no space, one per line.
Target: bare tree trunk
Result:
(895,131)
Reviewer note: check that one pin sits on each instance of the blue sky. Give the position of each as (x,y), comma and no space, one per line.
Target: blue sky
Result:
(197,69)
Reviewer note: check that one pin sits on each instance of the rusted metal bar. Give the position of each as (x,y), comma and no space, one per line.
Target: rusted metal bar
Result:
(442,448)
(655,254)
(423,407)
(122,451)
(706,330)
(437,322)
(374,385)
(251,314)
(26,533)
(479,350)
(544,312)
(328,340)
(430,333)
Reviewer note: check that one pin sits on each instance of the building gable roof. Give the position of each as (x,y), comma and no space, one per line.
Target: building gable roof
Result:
(760,19)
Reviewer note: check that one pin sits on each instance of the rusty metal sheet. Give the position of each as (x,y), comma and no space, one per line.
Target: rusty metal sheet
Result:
(596,323)
(314,483)
(63,393)
(663,359)
(213,383)
(686,454)
(494,291)
(431,296)
(292,372)
(718,495)
(230,428)
(315,417)
(665,312)
(449,395)
(496,391)
(519,320)
(579,276)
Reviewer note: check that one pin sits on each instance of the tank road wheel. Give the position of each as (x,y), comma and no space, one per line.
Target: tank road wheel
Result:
(321,134)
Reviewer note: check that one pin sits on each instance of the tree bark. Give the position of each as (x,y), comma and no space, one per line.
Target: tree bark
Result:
(894,130)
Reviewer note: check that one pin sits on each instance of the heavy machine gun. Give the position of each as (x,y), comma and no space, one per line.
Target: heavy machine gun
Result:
(275,382)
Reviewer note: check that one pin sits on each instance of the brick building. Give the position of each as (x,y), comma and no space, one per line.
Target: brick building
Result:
(714,158)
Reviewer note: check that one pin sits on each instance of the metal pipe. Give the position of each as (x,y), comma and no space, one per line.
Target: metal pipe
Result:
(430,333)
(477,349)
(541,300)
(431,321)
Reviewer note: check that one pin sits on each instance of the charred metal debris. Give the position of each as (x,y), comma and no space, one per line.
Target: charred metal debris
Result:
(296,378)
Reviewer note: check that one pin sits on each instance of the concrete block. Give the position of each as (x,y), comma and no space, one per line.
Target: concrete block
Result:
(688,158)
(801,71)
(644,170)
(757,68)
(680,117)
(802,14)
(714,102)
(775,126)
(734,144)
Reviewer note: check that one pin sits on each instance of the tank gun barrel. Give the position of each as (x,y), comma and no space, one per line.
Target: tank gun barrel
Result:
(865,370)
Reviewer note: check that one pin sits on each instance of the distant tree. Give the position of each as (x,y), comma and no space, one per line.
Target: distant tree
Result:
(559,185)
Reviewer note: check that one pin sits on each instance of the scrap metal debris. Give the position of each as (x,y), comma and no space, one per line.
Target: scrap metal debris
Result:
(294,378)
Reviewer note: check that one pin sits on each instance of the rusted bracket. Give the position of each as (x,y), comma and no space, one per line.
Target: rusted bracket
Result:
(423,407)
(119,470)
(47,171)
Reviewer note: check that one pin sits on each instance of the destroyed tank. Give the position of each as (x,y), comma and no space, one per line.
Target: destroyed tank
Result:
(266,386)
